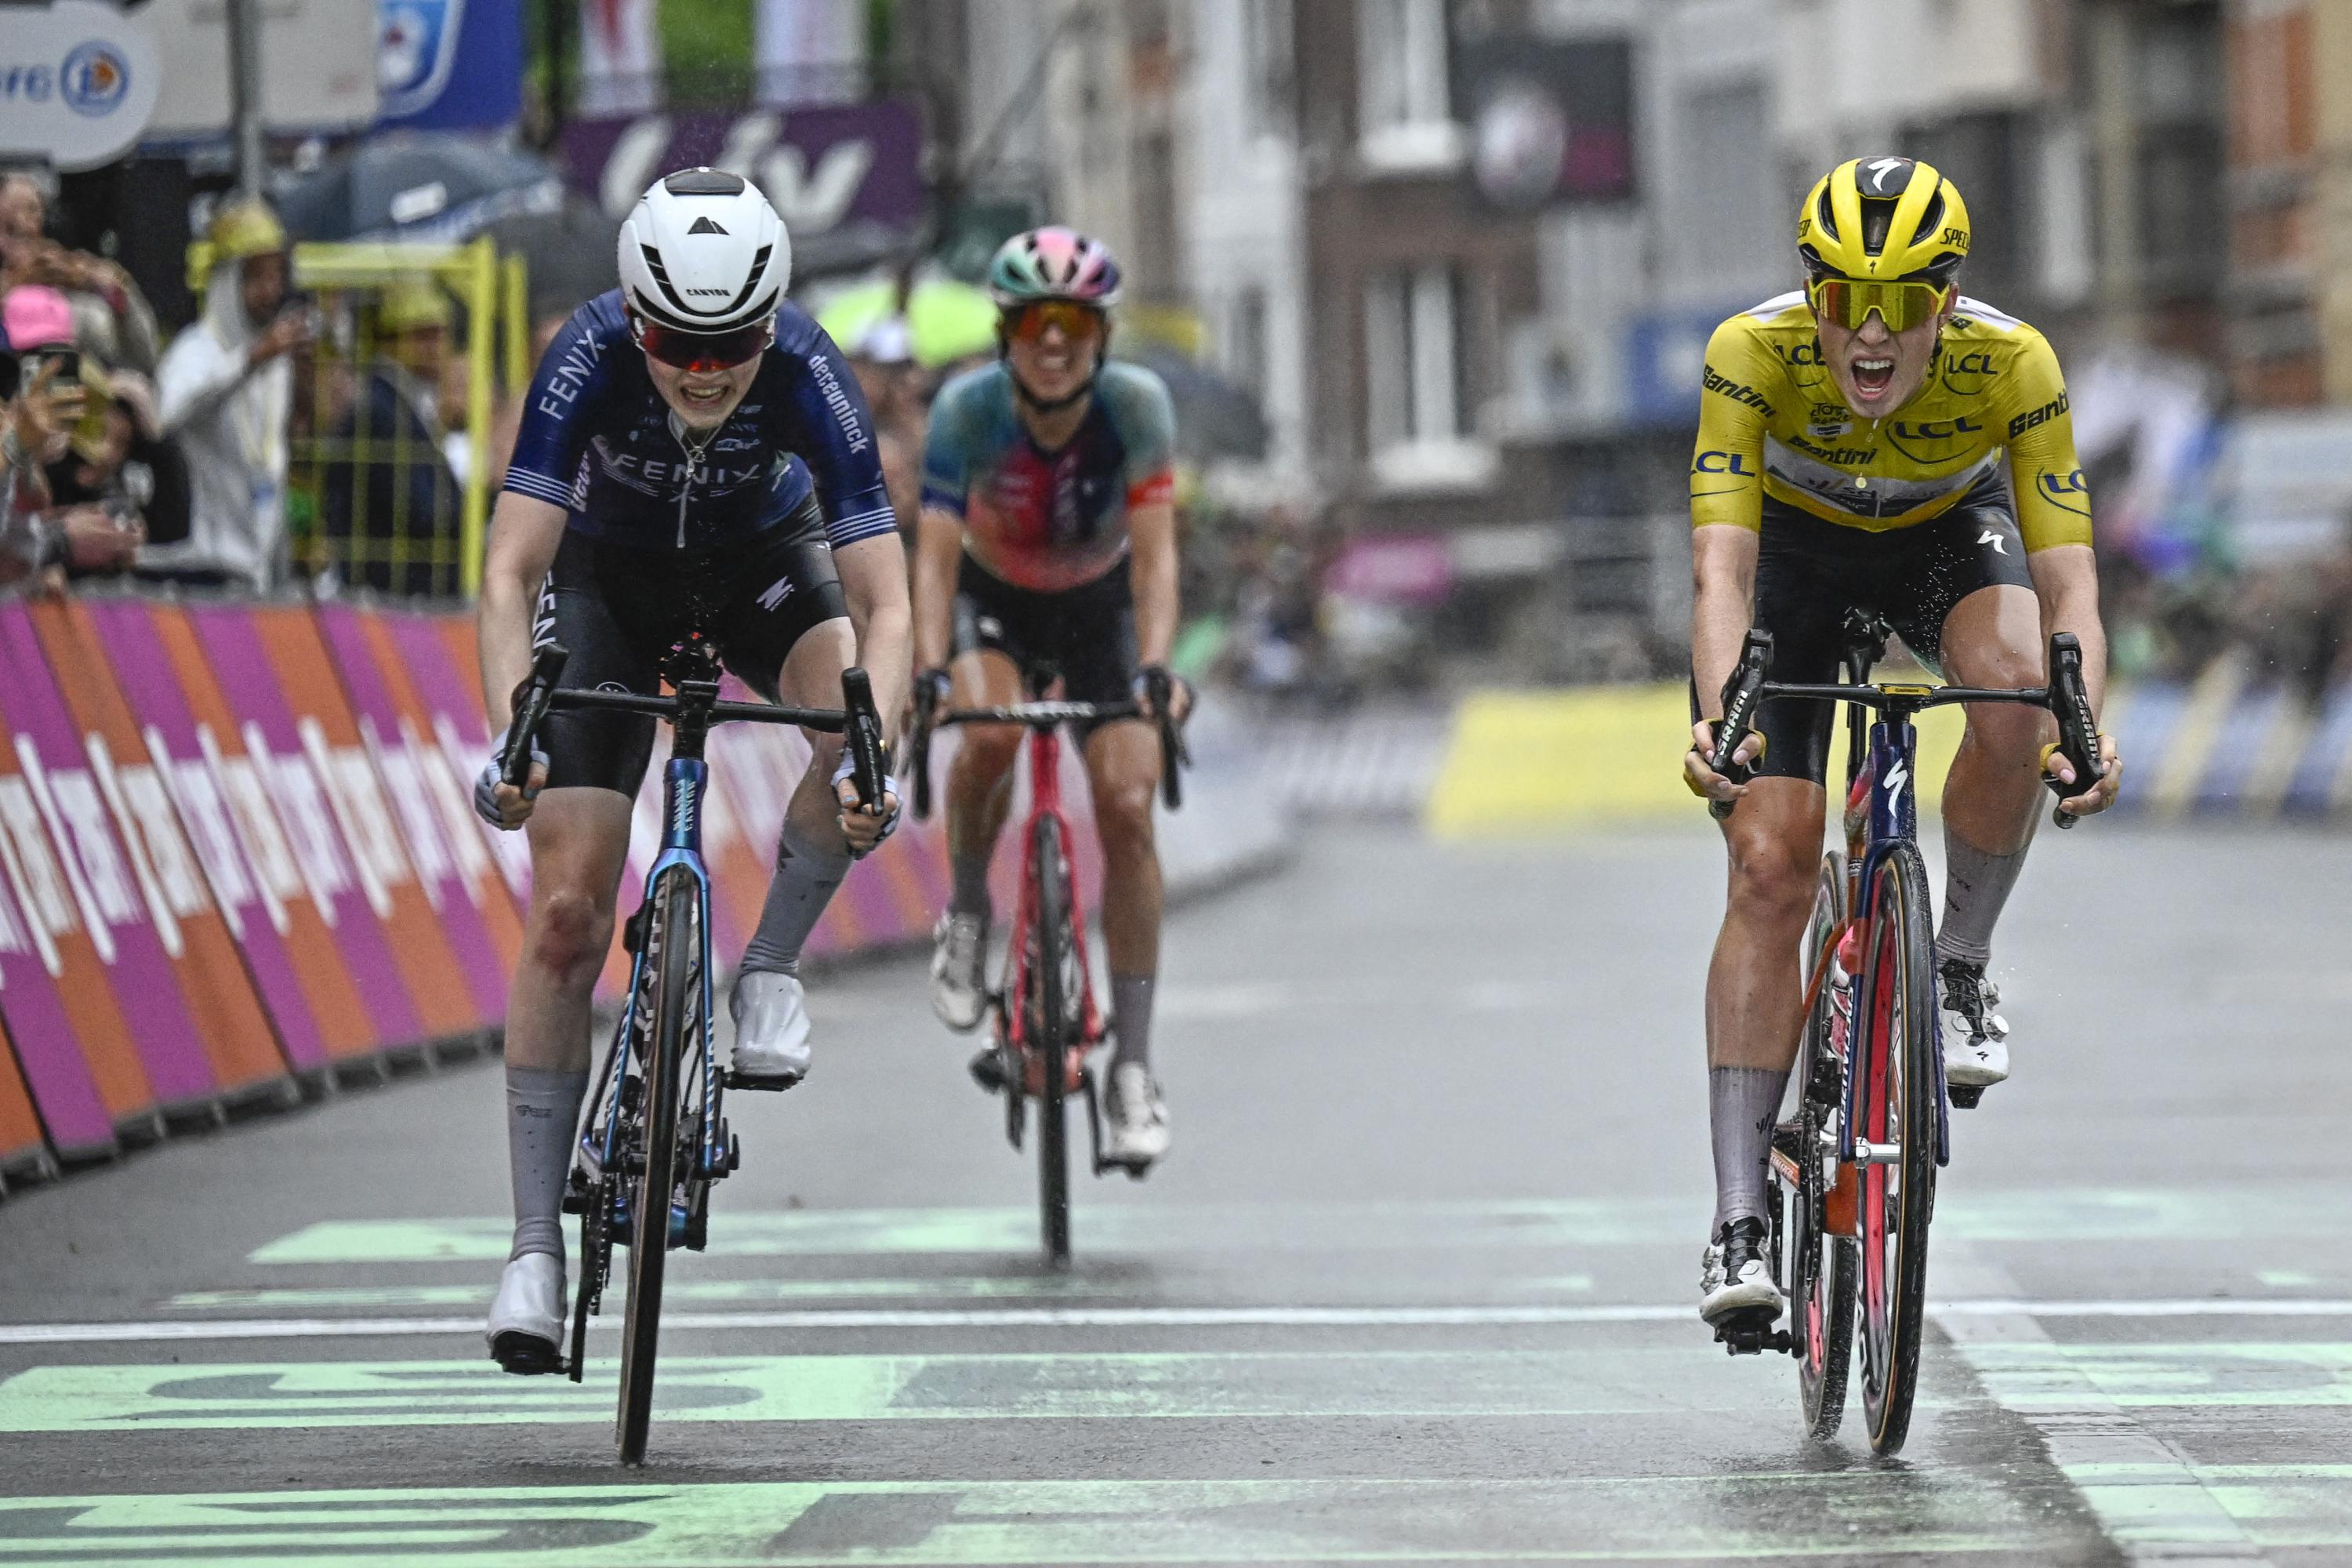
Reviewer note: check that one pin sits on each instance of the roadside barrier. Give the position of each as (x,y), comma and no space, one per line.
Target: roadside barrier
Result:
(238,859)
(2228,745)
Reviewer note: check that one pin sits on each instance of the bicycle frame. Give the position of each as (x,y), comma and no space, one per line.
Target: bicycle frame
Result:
(1044,748)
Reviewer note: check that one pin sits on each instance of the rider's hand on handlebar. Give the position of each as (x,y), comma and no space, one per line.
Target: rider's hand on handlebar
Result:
(862,825)
(2100,796)
(498,802)
(1699,771)
(1180,692)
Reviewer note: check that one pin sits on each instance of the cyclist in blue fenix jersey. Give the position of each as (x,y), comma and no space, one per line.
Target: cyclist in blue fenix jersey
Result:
(694,454)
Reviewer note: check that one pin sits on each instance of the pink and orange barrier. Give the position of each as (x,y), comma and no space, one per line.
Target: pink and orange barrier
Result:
(237,847)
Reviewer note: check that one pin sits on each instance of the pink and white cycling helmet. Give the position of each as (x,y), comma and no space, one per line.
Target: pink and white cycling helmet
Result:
(1053,264)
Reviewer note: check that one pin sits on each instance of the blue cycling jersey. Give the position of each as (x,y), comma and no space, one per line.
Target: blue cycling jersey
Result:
(598,441)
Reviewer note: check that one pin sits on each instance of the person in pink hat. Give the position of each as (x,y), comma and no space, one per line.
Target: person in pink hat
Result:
(43,400)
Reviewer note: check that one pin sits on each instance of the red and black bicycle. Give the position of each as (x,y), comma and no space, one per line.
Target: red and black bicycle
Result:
(1045,1018)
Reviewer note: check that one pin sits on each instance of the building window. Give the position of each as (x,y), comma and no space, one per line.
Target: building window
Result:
(1266,78)
(1404,118)
(1413,397)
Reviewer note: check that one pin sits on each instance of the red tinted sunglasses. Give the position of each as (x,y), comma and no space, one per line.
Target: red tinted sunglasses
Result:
(1078,323)
(702,350)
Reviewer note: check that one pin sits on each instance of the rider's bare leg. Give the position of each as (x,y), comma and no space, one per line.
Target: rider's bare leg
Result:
(979,779)
(811,855)
(1122,772)
(1992,795)
(1754,994)
(579,841)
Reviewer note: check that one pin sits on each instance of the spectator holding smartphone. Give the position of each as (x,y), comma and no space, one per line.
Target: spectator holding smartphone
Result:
(41,400)
(226,391)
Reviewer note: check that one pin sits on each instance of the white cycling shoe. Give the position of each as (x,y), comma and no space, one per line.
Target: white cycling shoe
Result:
(1735,1275)
(772,1030)
(526,1331)
(958,965)
(1134,1122)
(1976,1038)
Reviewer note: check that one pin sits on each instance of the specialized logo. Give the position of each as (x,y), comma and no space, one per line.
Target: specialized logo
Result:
(1896,777)
(1723,386)
(2041,416)
(1958,236)
(94,78)
(704,225)
(1882,172)
(2000,545)
(1722,463)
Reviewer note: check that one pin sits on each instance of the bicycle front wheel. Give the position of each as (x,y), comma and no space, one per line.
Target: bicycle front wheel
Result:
(1820,1265)
(673,962)
(1051,1032)
(1894,1110)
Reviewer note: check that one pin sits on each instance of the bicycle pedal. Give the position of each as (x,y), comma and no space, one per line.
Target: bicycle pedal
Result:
(1751,1333)
(1964,1096)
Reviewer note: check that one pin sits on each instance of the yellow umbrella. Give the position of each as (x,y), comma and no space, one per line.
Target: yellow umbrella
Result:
(946,320)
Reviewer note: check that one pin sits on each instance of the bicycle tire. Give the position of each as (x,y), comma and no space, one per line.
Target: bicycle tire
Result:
(1896,1099)
(673,943)
(1821,1266)
(1049,867)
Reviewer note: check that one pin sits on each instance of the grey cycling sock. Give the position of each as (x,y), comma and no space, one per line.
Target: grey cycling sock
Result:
(1976,886)
(1742,1104)
(542,1114)
(806,874)
(1130,1012)
(970,893)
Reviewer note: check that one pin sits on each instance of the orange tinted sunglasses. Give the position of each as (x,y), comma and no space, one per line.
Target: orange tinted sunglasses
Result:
(1028,323)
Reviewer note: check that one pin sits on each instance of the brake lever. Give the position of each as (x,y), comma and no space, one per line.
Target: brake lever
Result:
(1743,693)
(2078,730)
(530,704)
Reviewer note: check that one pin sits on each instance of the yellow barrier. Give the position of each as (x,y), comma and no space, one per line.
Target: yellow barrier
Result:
(1536,762)
(345,460)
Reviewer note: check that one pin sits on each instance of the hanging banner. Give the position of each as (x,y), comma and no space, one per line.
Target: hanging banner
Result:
(92,906)
(229,1018)
(450,64)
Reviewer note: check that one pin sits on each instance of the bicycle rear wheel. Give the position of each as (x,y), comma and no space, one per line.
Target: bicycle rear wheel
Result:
(1820,1265)
(1050,1032)
(1894,1102)
(673,959)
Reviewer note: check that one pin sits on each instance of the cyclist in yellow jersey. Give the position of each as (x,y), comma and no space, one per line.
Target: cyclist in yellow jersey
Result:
(1878,441)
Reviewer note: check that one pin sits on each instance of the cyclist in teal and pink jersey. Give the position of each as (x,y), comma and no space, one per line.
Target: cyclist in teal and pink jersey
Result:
(1049,537)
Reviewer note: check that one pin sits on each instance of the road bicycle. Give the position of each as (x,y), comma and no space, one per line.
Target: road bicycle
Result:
(1855,1168)
(656,1138)
(1044,1019)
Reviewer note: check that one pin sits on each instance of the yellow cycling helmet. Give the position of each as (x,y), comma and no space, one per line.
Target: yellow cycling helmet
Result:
(244,228)
(1880,219)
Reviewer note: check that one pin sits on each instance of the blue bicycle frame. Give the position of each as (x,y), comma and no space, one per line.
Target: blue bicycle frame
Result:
(1894,819)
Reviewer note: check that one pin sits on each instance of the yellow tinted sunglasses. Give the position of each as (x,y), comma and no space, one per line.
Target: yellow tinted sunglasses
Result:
(1848,302)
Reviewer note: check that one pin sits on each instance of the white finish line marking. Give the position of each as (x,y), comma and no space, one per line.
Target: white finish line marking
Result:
(1139,1318)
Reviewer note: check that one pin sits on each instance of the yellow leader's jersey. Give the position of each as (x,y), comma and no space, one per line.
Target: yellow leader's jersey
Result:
(1771,423)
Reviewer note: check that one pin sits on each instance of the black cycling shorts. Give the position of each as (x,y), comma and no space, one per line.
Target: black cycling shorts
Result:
(1809,573)
(1087,633)
(619,609)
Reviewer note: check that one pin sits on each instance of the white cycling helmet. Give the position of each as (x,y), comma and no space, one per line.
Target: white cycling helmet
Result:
(703,252)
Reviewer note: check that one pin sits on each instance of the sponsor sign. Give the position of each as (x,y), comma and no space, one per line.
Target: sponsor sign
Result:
(78,82)
(841,177)
(236,1032)
(449,65)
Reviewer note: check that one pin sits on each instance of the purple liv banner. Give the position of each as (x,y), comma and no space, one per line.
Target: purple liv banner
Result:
(844,177)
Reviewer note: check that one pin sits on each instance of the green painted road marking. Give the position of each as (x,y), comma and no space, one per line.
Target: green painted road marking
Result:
(2225,1213)
(296,1298)
(2291,1373)
(1852,1516)
(129,1398)
(2272,1505)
